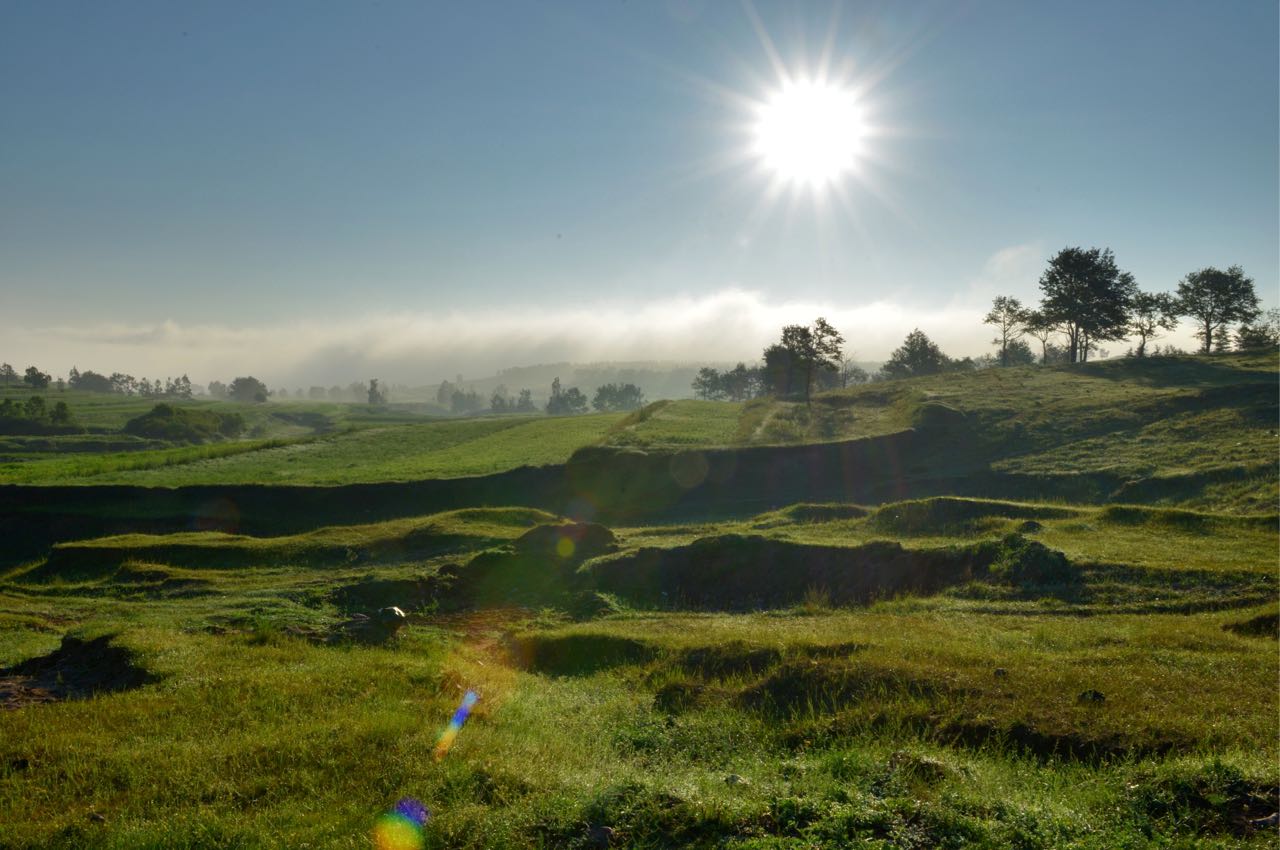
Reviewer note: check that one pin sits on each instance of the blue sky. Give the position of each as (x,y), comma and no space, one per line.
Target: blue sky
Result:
(411,187)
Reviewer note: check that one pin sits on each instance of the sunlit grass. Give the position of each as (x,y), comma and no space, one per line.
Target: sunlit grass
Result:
(963,718)
(438,449)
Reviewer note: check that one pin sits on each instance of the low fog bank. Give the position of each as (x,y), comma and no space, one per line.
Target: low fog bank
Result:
(669,336)
(424,349)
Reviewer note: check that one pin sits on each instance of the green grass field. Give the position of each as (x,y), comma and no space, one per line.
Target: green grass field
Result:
(438,449)
(1214,419)
(929,669)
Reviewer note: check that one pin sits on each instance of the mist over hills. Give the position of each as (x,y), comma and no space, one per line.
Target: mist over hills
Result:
(658,379)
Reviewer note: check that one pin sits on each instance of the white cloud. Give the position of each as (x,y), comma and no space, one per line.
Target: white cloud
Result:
(1014,270)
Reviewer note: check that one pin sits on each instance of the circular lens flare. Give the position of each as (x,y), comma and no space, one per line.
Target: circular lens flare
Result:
(810,133)
(397,832)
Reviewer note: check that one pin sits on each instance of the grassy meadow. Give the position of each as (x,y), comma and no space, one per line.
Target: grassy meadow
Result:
(1083,655)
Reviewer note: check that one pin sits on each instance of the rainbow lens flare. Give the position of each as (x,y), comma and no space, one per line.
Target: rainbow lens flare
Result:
(455,724)
(401,828)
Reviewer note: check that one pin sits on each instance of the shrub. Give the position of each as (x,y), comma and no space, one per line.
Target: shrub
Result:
(1024,562)
(179,424)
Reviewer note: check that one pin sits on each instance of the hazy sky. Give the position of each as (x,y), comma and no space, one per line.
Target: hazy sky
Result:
(413,189)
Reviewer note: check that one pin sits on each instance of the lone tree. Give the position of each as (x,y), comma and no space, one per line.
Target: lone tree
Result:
(7,374)
(1088,297)
(1153,312)
(247,389)
(810,350)
(36,379)
(708,384)
(376,395)
(1010,321)
(918,355)
(1216,299)
(563,401)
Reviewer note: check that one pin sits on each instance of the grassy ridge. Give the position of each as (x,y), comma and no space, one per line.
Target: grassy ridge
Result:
(1202,430)
(441,449)
(45,467)
(1147,538)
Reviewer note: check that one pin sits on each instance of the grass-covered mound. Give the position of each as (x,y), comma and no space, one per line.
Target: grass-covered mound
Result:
(735,572)
(949,515)
(991,713)
(396,541)
(538,568)
(185,424)
(1080,691)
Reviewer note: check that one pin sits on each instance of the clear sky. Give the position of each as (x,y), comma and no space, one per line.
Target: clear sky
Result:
(414,189)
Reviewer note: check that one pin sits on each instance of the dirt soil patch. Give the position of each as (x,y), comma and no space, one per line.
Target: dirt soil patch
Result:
(75,670)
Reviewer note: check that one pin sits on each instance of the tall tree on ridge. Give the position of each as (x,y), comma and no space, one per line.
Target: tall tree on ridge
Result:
(1010,320)
(1216,299)
(811,349)
(1152,313)
(1087,295)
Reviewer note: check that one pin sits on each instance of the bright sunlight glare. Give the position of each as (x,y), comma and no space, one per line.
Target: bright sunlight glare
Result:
(810,133)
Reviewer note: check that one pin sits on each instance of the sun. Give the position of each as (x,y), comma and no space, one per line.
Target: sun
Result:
(809,133)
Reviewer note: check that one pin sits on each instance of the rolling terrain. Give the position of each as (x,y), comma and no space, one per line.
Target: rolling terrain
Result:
(1016,608)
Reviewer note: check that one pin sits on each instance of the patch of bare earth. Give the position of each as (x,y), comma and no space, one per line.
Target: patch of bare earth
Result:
(75,670)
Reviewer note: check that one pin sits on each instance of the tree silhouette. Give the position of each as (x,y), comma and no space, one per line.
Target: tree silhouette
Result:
(247,389)
(611,397)
(1088,297)
(708,384)
(918,355)
(36,379)
(808,350)
(1259,336)
(1153,312)
(1010,321)
(565,401)
(1217,299)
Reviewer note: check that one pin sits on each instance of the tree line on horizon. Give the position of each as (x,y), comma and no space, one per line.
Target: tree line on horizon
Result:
(1086,300)
(609,397)
(248,389)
